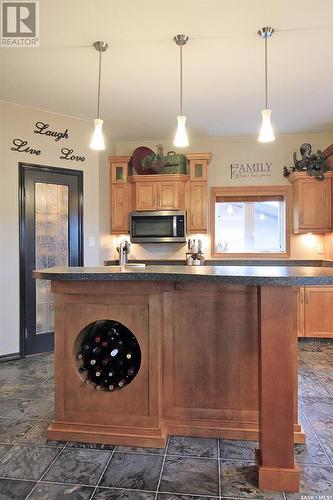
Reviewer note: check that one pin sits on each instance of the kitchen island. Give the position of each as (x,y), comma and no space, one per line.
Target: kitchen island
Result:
(208,351)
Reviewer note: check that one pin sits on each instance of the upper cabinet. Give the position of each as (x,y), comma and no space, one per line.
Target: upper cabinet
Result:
(312,203)
(120,195)
(159,192)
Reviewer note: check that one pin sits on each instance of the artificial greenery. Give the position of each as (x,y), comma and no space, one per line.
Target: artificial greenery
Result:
(311,163)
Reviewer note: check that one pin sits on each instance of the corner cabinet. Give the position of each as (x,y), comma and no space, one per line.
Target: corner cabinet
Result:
(315,317)
(312,203)
(159,192)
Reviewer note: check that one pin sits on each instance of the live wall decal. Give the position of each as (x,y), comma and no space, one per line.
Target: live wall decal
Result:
(22,147)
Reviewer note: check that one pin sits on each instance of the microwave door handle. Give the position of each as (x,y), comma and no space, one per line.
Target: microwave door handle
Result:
(174,225)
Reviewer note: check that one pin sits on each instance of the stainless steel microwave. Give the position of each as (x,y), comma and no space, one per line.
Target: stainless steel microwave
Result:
(166,226)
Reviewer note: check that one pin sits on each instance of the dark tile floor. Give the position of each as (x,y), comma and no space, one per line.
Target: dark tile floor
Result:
(188,469)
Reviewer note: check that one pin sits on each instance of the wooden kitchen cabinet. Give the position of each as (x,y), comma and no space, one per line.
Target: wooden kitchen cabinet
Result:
(312,203)
(145,196)
(318,311)
(120,209)
(120,195)
(197,220)
(163,192)
(315,312)
(159,192)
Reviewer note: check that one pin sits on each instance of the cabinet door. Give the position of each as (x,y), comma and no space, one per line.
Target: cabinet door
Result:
(119,209)
(171,196)
(146,195)
(314,204)
(300,312)
(318,311)
(198,207)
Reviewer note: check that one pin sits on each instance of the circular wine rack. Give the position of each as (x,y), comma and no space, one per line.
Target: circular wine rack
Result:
(108,355)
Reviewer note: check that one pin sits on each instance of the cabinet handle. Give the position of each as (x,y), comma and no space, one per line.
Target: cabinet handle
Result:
(302,296)
(301,219)
(306,298)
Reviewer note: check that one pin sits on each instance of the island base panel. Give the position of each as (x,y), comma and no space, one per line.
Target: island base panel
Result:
(105,435)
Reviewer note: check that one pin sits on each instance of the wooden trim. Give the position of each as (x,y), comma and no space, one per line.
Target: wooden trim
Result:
(119,159)
(283,190)
(200,156)
(295,176)
(158,178)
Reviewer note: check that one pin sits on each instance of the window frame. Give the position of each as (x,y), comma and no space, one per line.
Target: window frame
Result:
(285,191)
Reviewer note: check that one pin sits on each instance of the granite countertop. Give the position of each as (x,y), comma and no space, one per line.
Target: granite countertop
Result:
(229,275)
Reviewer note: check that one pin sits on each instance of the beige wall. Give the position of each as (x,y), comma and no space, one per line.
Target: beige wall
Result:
(18,122)
(234,151)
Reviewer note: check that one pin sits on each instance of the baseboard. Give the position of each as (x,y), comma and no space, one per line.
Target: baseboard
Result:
(10,357)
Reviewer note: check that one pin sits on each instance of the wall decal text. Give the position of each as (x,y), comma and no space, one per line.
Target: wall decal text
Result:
(250,170)
(42,129)
(67,154)
(22,147)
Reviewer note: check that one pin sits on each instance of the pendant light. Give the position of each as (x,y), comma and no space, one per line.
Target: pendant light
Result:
(97,140)
(181,139)
(266,130)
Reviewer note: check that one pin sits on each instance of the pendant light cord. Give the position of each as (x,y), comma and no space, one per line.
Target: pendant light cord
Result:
(181,79)
(266,78)
(99,84)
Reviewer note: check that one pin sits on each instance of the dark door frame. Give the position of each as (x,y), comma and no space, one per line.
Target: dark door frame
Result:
(24,167)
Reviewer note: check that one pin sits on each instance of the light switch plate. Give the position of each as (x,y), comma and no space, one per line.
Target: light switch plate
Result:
(91,241)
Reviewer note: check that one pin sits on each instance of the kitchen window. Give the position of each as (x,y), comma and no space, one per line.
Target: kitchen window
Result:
(251,221)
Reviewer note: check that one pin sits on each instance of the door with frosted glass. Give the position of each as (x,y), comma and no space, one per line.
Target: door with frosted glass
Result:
(50,235)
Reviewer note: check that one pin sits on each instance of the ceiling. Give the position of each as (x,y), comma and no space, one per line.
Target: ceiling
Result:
(223,65)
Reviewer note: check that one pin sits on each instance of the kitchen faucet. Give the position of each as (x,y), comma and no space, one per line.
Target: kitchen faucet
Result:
(123,250)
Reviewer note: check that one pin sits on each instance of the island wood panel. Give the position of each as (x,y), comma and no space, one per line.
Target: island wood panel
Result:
(277,366)
(210,351)
(131,415)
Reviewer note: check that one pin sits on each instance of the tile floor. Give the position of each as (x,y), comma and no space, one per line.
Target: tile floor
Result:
(188,469)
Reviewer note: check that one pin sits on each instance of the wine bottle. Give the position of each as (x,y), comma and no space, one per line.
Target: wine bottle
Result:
(98,373)
(114,352)
(128,355)
(93,362)
(104,343)
(82,369)
(111,387)
(131,371)
(98,387)
(122,382)
(80,355)
(97,339)
(86,347)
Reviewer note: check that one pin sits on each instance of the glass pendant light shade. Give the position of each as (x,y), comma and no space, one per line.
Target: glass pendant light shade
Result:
(266,130)
(97,140)
(181,139)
